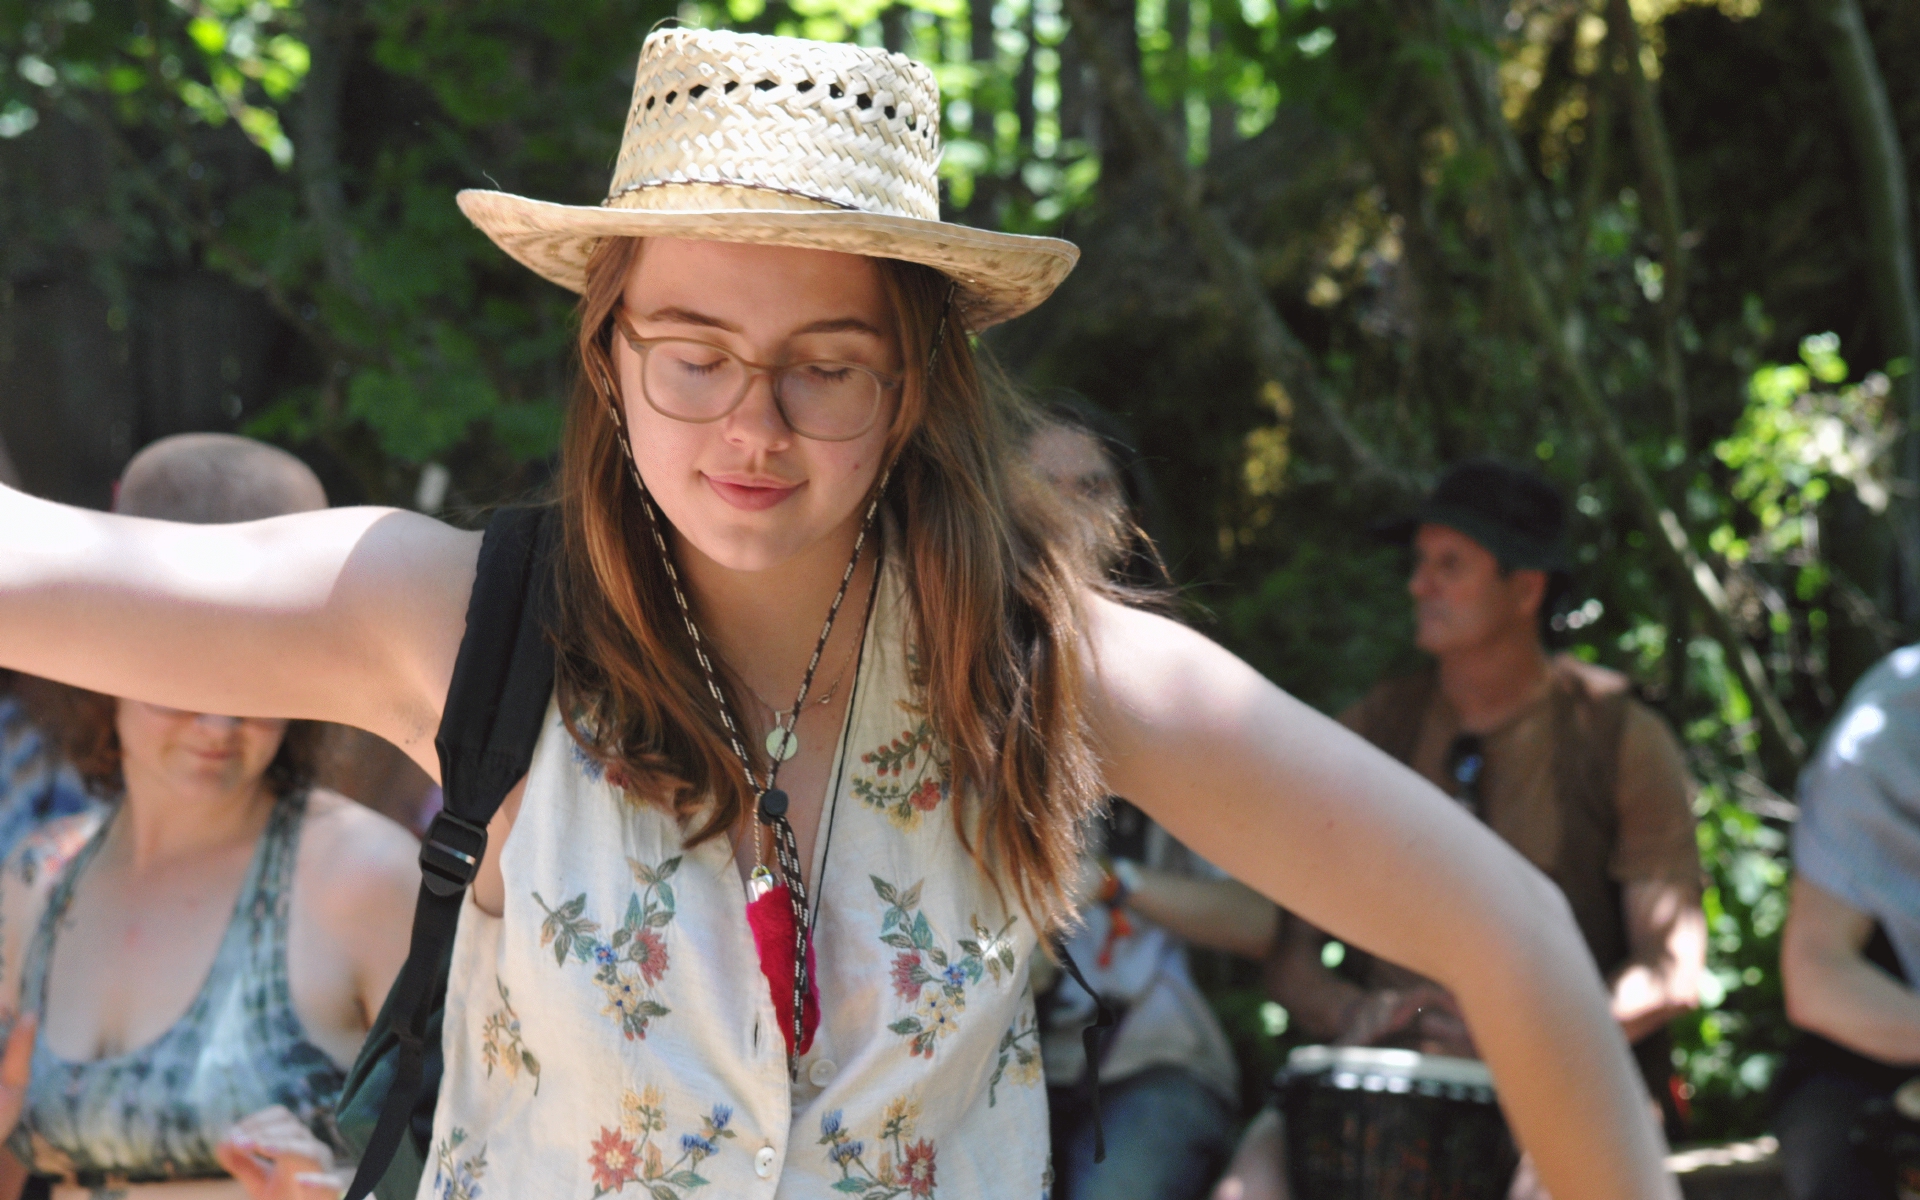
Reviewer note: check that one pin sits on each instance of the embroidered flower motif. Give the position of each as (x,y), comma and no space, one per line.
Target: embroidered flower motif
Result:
(649,953)
(916,1168)
(937,993)
(501,1043)
(939,1016)
(589,766)
(901,1168)
(846,1152)
(699,1147)
(455,1178)
(1020,1053)
(908,975)
(1019,1050)
(906,778)
(899,1119)
(615,1161)
(630,961)
(631,1155)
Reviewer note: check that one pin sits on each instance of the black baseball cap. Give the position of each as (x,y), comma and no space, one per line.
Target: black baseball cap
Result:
(1516,514)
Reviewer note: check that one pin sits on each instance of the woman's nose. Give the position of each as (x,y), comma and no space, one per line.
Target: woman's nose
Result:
(758,419)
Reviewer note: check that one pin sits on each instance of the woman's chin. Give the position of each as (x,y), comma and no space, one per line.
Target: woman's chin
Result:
(754,542)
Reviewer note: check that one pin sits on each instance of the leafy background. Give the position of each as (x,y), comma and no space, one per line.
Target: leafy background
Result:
(238,214)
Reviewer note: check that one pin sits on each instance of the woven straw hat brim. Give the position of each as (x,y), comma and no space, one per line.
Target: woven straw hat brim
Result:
(1001,275)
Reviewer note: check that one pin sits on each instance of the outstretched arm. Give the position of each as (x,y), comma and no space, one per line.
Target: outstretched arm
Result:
(1325,825)
(1218,914)
(348,615)
(1833,990)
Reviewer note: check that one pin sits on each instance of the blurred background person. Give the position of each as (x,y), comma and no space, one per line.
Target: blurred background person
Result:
(1169,1085)
(1555,755)
(36,784)
(210,949)
(1851,947)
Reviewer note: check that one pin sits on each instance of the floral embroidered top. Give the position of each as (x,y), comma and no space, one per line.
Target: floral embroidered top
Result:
(611,1032)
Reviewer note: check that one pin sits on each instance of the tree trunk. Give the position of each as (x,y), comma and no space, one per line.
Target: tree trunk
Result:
(329,35)
(1890,266)
(1276,352)
(1660,185)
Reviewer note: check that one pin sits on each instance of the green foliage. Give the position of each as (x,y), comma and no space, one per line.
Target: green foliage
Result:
(1793,445)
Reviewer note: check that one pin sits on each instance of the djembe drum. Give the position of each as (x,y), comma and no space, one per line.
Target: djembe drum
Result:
(1392,1125)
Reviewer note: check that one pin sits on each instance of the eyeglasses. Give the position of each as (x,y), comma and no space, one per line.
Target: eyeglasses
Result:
(1466,767)
(700,382)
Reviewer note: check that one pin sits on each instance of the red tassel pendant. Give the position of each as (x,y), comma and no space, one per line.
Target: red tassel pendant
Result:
(771,919)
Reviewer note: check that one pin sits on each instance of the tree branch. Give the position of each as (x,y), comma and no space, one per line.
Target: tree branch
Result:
(1660,183)
(1562,335)
(1276,351)
(329,30)
(1890,267)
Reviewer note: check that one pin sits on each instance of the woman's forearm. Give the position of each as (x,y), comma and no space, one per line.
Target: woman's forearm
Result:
(1218,914)
(1850,1001)
(1540,1018)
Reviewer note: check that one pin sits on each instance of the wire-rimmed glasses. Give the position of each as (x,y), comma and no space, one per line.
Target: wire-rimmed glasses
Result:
(699,382)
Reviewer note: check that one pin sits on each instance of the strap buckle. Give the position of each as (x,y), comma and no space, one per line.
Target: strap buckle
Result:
(450,854)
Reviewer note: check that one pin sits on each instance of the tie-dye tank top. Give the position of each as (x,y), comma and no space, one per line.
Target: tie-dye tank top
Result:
(157,1112)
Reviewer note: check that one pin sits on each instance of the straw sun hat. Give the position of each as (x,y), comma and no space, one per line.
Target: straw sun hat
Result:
(778,141)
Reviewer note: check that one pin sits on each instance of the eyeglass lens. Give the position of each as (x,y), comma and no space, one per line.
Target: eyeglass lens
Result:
(1466,764)
(694,381)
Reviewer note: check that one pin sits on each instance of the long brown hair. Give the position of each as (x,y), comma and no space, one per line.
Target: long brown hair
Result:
(994,578)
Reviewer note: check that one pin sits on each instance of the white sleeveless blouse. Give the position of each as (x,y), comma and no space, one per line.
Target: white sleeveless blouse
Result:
(611,1033)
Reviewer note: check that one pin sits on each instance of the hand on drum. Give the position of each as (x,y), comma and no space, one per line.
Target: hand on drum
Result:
(1423,1017)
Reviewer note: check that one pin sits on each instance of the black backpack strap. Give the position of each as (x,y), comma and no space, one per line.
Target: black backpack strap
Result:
(502,683)
(1090,1039)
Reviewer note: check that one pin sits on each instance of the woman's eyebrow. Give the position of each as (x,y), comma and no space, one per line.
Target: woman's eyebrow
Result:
(674,315)
(840,325)
(686,316)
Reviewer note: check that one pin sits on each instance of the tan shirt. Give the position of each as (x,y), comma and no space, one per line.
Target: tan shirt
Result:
(1653,824)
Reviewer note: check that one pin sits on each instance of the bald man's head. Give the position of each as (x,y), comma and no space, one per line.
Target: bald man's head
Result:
(216,478)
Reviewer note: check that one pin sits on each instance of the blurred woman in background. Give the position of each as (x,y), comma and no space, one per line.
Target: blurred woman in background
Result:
(1167,1073)
(204,957)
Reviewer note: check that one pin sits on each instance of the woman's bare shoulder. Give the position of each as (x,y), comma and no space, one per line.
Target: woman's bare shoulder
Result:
(355,861)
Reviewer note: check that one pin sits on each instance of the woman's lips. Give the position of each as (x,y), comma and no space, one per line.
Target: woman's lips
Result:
(751,495)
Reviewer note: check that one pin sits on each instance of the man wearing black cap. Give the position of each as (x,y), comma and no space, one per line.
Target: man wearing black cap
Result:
(1555,755)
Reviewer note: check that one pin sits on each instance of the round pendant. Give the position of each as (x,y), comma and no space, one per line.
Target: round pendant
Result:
(782,743)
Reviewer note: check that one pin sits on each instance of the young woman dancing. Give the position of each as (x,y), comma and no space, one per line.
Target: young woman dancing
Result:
(822,641)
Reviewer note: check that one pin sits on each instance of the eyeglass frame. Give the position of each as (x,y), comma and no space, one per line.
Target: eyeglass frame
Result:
(641,346)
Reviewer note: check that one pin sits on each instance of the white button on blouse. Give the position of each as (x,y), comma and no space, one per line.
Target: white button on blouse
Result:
(763,1162)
